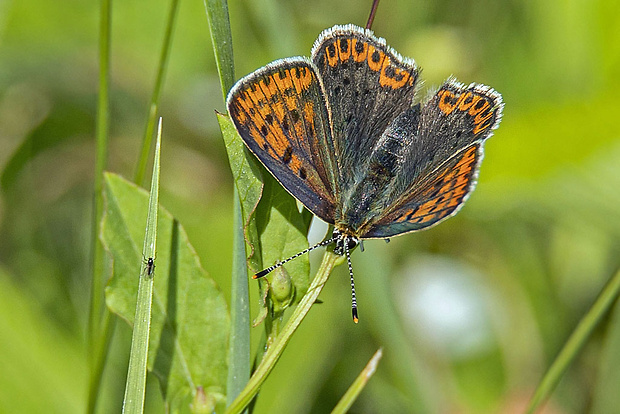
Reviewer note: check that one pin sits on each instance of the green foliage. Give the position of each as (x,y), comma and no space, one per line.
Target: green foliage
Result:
(189,328)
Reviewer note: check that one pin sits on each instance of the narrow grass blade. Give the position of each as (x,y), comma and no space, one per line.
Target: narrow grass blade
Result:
(239,348)
(99,339)
(135,388)
(159,81)
(275,350)
(605,396)
(358,385)
(221,38)
(575,342)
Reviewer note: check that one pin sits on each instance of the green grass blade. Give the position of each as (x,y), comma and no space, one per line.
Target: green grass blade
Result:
(221,38)
(358,385)
(575,342)
(98,339)
(159,81)
(135,388)
(239,348)
(275,350)
(605,398)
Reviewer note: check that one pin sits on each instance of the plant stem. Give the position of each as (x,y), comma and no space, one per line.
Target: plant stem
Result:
(275,351)
(147,139)
(98,339)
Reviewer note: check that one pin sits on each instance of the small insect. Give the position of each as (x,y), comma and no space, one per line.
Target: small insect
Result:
(150,266)
(343,133)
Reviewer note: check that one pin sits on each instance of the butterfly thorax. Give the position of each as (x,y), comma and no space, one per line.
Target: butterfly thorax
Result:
(375,181)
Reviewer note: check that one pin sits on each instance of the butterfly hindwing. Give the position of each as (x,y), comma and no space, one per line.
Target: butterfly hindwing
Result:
(367,85)
(440,159)
(281,115)
(439,196)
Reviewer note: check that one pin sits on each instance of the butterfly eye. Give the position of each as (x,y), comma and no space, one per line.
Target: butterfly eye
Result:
(351,242)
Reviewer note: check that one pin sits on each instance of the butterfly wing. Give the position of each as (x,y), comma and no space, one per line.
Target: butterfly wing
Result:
(367,85)
(441,163)
(281,115)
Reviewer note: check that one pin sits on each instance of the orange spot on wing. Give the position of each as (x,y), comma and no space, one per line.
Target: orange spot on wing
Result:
(304,80)
(291,102)
(474,110)
(278,110)
(309,114)
(258,138)
(359,56)
(480,120)
(332,60)
(445,105)
(393,82)
(480,128)
(271,87)
(283,80)
(344,44)
(295,164)
(375,58)
(278,141)
(239,113)
(463,104)
(424,214)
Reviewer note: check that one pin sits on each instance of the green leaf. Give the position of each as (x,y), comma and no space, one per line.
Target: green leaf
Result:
(190,323)
(248,180)
(283,232)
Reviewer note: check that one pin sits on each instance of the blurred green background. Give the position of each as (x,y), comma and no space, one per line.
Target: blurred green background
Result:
(470,313)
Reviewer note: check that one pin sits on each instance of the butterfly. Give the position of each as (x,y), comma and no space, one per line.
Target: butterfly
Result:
(343,134)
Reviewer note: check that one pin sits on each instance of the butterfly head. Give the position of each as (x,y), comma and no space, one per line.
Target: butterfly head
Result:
(344,241)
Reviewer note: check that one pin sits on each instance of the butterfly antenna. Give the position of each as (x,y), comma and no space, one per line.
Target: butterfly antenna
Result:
(373,10)
(353,298)
(270,269)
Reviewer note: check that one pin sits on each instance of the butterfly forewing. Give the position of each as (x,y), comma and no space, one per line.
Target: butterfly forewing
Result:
(281,115)
(452,119)
(367,85)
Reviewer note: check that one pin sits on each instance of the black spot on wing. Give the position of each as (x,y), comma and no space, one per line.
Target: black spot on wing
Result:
(288,155)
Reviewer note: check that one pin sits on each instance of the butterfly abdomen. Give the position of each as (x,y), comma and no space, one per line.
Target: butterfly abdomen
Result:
(378,174)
